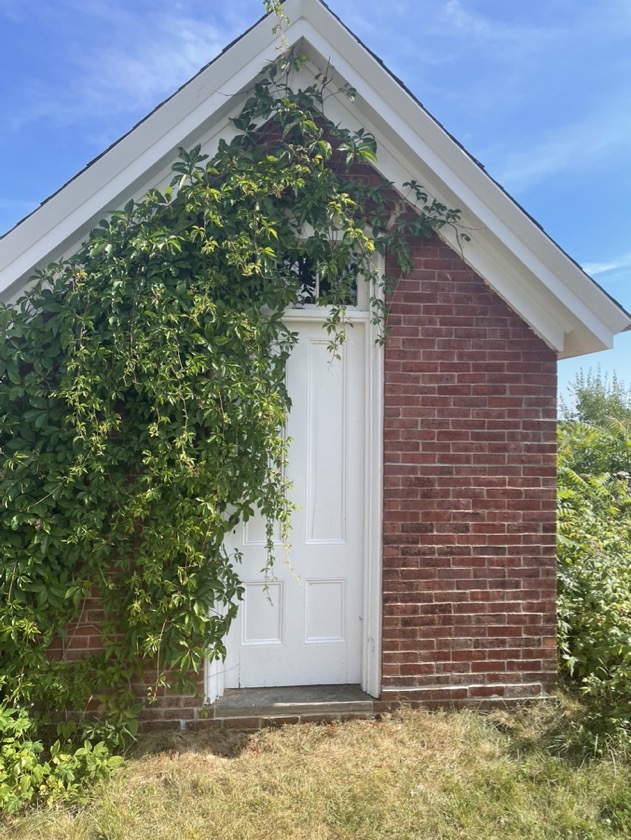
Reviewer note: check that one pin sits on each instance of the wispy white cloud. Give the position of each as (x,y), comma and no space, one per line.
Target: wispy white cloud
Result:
(11,10)
(509,54)
(526,28)
(478,26)
(523,168)
(146,58)
(607,267)
(614,275)
(176,52)
(598,140)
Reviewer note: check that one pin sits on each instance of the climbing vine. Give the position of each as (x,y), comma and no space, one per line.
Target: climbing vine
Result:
(143,400)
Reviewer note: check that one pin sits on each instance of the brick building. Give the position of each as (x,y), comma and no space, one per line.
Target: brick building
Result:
(423,554)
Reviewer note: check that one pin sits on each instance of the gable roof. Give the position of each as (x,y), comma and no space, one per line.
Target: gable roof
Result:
(507,248)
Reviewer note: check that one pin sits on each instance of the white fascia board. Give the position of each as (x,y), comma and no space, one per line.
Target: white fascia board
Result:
(529,287)
(497,215)
(525,293)
(532,300)
(514,256)
(130,163)
(568,326)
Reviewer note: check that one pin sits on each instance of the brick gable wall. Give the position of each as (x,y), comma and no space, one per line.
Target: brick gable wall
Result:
(469,494)
(469,501)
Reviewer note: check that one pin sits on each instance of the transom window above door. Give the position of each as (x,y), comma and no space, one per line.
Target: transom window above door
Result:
(317,288)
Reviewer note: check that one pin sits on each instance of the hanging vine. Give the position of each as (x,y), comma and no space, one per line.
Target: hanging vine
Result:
(142,395)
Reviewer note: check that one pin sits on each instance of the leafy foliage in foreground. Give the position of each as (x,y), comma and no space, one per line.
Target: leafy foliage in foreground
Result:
(30,771)
(142,401)
(594,519)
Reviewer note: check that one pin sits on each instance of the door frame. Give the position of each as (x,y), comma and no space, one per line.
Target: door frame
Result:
(370,655)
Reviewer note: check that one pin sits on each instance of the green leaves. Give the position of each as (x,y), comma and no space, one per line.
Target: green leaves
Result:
(594,548)
(143,400)
(29,772)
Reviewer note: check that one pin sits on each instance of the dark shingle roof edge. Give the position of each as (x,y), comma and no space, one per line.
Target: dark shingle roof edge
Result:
(395,78)
(474,160)
(134,127)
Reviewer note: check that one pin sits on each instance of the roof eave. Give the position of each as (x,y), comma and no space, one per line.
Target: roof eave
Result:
(508,249)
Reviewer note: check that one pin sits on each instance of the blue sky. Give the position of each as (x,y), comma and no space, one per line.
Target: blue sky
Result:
(539,92)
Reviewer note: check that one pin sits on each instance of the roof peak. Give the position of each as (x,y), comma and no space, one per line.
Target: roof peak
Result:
(508,248)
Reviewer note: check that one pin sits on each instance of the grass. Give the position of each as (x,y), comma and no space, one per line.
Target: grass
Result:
(412,776)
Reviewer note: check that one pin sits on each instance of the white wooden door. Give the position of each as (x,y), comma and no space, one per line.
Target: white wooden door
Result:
(302,625)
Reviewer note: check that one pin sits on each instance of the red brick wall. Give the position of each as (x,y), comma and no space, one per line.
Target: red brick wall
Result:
(469,500)
(162,708)
(469,507)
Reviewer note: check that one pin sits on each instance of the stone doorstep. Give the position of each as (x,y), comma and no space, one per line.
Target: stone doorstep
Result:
(291,702)
(251,709)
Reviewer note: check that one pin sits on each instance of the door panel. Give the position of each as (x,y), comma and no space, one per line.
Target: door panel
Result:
(302,625)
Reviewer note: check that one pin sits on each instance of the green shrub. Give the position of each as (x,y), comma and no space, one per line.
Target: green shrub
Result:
(142,391)
(31,773)
(143,409)
(594,551)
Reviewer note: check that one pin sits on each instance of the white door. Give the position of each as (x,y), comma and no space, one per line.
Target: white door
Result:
(303,624)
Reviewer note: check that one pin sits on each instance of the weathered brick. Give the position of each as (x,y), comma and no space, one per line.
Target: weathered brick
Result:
(469,513)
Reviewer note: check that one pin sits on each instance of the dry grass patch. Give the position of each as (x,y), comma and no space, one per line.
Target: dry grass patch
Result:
(417,775)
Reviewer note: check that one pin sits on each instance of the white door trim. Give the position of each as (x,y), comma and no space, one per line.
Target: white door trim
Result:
(373,562)
(373,500)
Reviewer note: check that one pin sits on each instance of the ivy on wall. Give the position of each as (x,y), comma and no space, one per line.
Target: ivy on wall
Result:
(142,395)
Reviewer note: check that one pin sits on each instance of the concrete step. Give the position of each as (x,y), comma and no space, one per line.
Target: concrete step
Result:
(302,701)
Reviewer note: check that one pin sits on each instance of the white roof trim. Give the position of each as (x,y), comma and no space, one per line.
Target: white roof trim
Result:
(515,257)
